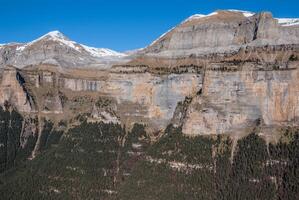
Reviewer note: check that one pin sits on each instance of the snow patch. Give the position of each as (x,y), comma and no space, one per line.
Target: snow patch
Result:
(20,48)
(288,21)
(134,51)
(245,13)
(101,52)
(198,16)
(56,34)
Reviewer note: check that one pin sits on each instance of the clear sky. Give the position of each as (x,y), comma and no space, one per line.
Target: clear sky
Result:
(116,24)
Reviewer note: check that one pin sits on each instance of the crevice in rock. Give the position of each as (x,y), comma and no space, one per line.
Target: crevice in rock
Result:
(22,82)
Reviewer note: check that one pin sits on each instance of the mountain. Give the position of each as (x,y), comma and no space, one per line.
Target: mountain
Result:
(192,55)
(209,110)
(224,32)
(55,48)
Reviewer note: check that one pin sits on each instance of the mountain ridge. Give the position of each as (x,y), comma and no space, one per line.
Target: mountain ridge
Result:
(82,55)
(271,30)
(220,62)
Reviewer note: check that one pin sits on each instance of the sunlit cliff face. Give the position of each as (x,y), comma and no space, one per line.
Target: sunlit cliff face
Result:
(212,74)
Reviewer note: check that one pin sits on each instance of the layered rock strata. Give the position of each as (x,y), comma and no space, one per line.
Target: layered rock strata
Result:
(214,74)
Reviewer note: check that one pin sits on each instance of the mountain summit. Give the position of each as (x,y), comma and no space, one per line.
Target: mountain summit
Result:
(56,48)
(224,31)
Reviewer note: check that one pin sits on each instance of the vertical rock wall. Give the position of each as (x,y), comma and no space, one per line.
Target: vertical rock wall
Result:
(237,99)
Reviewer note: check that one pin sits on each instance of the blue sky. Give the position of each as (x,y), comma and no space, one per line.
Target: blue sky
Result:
(119,25)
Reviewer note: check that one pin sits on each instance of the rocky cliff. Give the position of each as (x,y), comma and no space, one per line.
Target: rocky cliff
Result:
(212,74)
(130,97)
(223,32)
(207,111)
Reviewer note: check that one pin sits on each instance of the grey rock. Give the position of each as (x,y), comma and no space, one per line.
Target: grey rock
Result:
(222,32)
(56,48)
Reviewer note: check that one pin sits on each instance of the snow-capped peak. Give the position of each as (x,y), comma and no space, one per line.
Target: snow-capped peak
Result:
(52,35)
(60,38)
(55,34)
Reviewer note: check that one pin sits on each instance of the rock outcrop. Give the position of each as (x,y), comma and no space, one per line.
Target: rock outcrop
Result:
(234,100)
(14,91)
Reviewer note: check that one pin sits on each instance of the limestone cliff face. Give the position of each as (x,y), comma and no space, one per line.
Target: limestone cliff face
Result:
(235,100)
(13,91)
(249,67)
(135,97)
(222,32)
(214,74)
